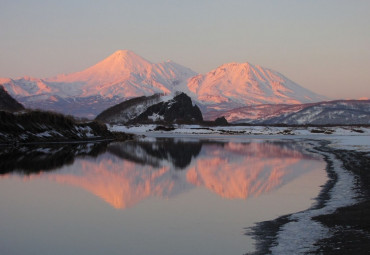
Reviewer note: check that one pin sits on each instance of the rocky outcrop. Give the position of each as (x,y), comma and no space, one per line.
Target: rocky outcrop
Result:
(127,110)
(178,110)
(221,121)
(153,109)
(7,103)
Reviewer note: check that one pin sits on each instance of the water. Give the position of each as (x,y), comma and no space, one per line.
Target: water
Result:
(155,196)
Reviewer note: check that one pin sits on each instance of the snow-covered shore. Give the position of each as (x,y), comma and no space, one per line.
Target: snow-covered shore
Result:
(244,130)
(302,232)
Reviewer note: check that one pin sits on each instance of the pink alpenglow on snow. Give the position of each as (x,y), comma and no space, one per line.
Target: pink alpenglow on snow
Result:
(247,84)
(125,75)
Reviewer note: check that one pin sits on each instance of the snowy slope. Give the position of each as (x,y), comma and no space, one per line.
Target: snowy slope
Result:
(250,113)
(340,112)
(246,84)
(328,113)
(121,76)
(125,75)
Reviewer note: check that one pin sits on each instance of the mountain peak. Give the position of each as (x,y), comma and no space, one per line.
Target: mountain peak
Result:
(125,57)
(117,66)
(125,54)
(236,65)
(244,84)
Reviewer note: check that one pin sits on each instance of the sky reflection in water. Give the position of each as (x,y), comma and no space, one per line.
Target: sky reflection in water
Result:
(173,196)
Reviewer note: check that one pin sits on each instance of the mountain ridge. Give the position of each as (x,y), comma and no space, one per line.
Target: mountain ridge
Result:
(336,112)
(124,75)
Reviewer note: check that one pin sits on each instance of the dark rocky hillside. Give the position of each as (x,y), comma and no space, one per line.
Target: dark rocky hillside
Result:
(39,126)
(7,103)
(153,109)
(127,110)
(178,110)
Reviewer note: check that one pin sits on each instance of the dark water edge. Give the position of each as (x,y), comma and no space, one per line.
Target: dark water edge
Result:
(42,157)
(349,226)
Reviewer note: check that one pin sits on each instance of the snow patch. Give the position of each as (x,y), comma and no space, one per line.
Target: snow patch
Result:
(44,134)
(155,117)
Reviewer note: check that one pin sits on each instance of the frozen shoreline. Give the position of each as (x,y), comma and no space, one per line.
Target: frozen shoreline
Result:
(180,130)
(304,232)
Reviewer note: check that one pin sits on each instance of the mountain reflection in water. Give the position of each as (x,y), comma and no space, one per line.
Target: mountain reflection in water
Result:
(124,173)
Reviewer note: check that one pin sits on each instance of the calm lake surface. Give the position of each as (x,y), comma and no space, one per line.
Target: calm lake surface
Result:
(155,196)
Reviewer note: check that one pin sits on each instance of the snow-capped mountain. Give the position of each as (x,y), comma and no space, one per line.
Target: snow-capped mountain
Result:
(121,76)
(239,84)
(125,75)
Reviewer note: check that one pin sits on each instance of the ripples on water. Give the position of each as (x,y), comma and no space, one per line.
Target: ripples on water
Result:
(174,196)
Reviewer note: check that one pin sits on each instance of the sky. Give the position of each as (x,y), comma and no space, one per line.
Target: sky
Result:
(322,45)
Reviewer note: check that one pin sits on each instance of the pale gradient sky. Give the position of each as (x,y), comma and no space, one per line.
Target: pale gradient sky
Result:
(322,45)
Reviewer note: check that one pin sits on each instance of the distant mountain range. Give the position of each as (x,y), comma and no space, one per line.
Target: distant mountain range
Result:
(339,112)
(125,75)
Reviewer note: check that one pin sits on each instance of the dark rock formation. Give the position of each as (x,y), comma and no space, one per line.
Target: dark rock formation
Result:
(7,103)
(127,110)
(221,121)
(178,110)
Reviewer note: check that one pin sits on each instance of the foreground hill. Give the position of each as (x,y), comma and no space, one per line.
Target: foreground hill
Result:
(125,75)
(37,126)
(7,103)
(153,109)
